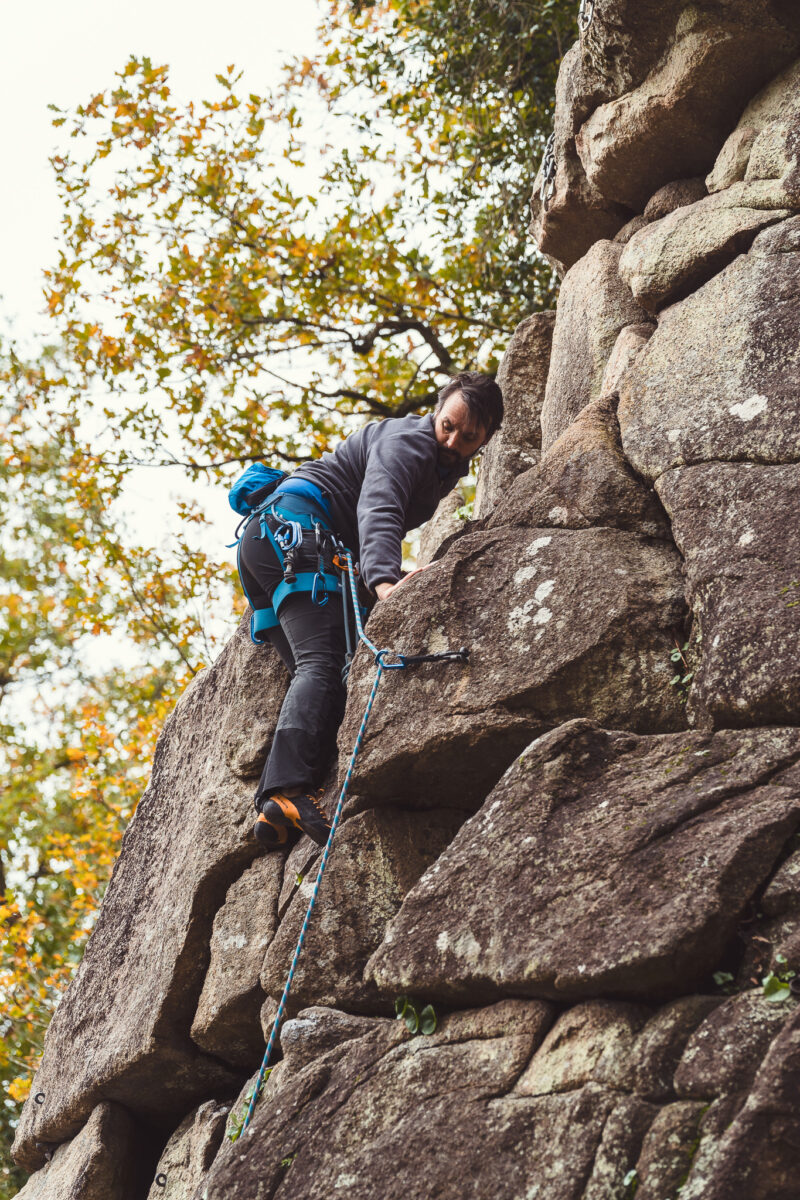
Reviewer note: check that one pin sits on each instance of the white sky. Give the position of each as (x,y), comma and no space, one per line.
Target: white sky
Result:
(57,52)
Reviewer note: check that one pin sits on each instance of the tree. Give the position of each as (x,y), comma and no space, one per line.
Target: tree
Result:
(227,287)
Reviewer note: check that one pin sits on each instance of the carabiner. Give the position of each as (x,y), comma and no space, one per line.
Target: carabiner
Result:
(289,534)
(319,580)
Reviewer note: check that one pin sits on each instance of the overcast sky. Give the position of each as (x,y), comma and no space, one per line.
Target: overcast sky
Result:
(64,51)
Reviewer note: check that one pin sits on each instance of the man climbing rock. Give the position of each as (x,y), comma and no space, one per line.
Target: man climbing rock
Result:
(379,483)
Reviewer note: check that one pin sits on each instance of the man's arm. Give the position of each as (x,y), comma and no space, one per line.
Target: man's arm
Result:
(394,467)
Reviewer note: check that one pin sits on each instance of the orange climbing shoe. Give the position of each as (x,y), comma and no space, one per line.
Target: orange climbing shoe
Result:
(282,814)
(272,837)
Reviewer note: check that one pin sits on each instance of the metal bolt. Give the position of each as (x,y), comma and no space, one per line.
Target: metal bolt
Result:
(585,14)
(39,1098)
(161,1180)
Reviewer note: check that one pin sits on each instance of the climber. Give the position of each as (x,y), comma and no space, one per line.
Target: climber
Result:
(381,481)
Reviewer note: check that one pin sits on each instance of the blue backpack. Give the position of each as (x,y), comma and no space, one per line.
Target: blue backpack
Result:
(253,487)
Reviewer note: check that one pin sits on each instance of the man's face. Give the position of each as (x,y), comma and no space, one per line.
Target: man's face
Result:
(458,434)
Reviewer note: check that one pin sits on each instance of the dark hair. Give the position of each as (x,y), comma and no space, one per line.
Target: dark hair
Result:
(482,396)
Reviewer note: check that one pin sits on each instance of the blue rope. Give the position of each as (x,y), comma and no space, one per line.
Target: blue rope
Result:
(382,665)
(326,852)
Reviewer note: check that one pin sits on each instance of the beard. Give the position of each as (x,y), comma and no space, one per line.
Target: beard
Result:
(448,458)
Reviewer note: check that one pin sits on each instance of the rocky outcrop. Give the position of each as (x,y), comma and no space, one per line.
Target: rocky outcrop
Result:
(379,857)
(543,648)
(581,848)
(522,376)
(593,306)
(633,859)
(189,1153)
(584,481)
(99,1163)
(649,97)
(131,1004)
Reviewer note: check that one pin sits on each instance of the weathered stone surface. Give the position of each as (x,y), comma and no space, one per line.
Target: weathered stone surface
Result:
(669,258)
(736,525)
(661,1043)
(122,1030)
(619,1149)
(671,196)
(379,856)
(719,377)
(783,891)
(544,647)
(250,705)
(98,1164)
(189,1153)
(725,1052)
(227,1019)
(349,1123)
(673,124)
(443,524)
(668,1149)
(584,481)
(754,1156)
(522,377)
(576,215)
(316,1030)
(624,235)
(589,1043)
(593,306)
(630,341)
(675,834)
(775,109)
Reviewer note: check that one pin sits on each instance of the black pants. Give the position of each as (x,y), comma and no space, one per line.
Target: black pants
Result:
(312,645)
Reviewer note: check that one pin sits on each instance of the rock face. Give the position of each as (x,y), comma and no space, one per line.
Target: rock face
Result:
(582,848)
(522,377)
(543,648)
(594,305)
(98,1164)
(693,825)
(189,1153)
(132,1002)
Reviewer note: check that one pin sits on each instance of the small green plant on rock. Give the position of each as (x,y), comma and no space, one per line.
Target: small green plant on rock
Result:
(776,984)
(725,982)
(235,1124)
(422,1021)
(631,1184)
(684,675)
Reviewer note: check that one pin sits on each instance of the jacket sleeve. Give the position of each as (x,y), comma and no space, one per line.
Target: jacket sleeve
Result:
(394,467)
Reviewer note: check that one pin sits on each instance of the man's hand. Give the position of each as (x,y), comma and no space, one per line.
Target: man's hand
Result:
(385,589)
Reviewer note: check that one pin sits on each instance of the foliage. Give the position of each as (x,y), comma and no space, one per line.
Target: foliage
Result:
(776,985)
(227,287)
(684,675)
(416,1021)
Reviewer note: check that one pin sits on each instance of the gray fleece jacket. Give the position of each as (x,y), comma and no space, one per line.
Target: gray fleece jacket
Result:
(380,482)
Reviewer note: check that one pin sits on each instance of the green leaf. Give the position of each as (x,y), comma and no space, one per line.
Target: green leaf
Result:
(411,1019)
(427,1020)
(400,1006)
(775,989)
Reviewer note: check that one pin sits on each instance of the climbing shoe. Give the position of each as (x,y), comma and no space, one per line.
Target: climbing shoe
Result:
(271,837)
(282,815)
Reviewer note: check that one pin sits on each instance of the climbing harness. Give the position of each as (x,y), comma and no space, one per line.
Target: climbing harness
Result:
(585,14)
(548,172)
(285,530)
(382,664)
